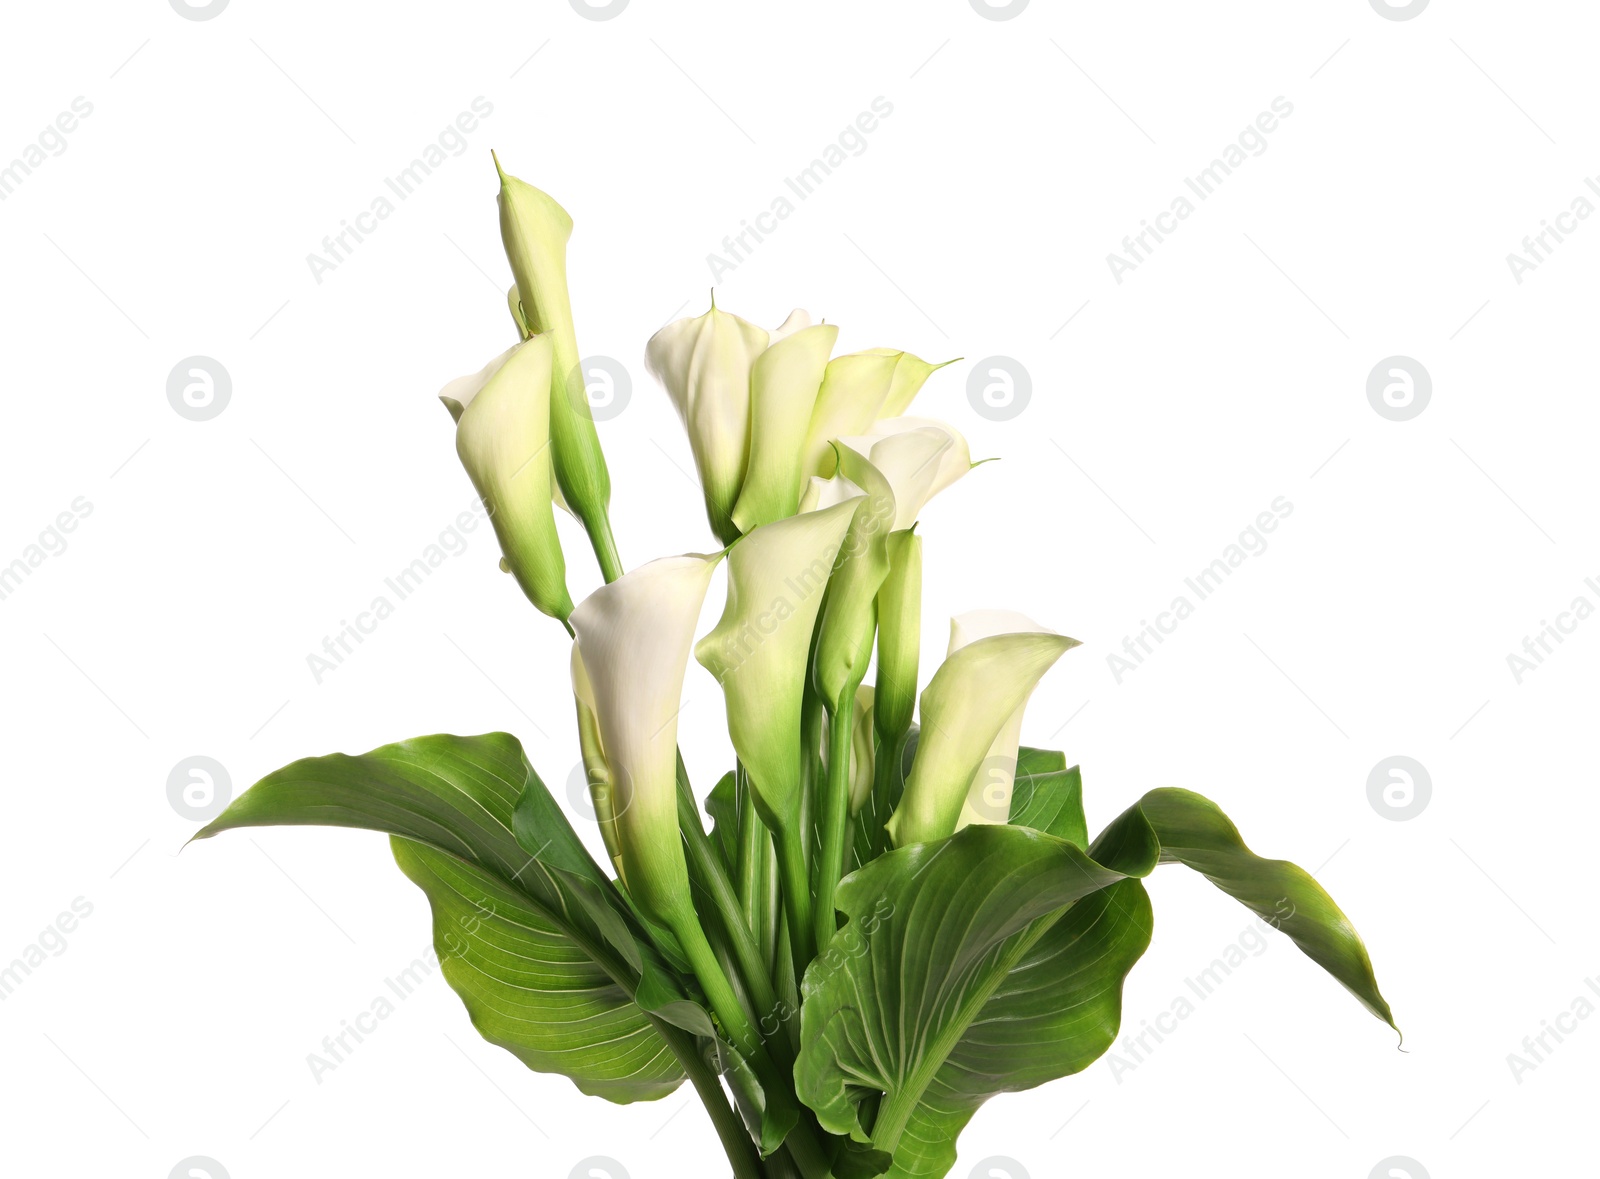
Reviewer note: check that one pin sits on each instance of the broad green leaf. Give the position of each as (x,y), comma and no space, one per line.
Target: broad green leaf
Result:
(1192,830)
(453,802)
(1049,797)
(993,960)
(530,989)
(1053,1015)
(910,1000)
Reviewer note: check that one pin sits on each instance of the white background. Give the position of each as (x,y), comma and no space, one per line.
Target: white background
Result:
(1227,370)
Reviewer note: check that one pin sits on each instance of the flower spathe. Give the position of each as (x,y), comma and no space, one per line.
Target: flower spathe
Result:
(534,229)
(777,576)
(704,363)
(763,410)
(502,417)
(858,389)
(971,717)
(784,381)
(634,637)
(920,457)
(596,772)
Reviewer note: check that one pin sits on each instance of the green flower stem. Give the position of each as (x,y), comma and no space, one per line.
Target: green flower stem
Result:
(708,872)
(751,832)
(735,1139)
(784,975)
(771,907)
(801,1142)
(803,1147)
(797,909)
(604,545)
(835,818)
(887,763)
(736,1024)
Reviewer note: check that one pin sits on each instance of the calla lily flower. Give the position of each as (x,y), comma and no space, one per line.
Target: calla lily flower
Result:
(602,790)
(783,392)
(633,638)
(858,389)
(502,418)
(534,229)
(705,364)
(971,724)
(777,576)
(919,457)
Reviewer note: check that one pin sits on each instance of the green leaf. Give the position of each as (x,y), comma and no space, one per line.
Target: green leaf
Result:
(722,804)
(530,989)
(545,962)
(945,986)
(994,960)
(1049,797)
(1192,830)
(1053,1015)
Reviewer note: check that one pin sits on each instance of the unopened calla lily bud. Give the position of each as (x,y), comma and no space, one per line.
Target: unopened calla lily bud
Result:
(784,381)
(972,713)
(634,637)
(704,364)
(503,439)
(535,229)
(899,638)
(777,577)
(849,615)
(862,749)
(602,790)
(858,389)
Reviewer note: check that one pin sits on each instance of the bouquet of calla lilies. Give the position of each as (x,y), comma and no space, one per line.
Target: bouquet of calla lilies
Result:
(898,911)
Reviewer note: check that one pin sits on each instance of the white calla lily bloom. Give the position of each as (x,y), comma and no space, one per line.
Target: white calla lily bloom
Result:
(777,576)
(858,389)
(502,417)
(919,457)
(704,364)
(972,710)
(989,793)
(633,638)
(783,392)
